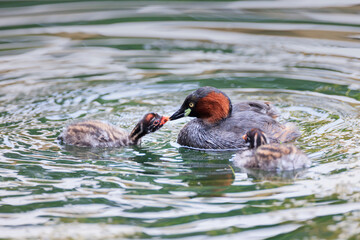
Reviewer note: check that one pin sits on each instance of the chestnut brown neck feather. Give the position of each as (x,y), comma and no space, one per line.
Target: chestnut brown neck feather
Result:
(213,107)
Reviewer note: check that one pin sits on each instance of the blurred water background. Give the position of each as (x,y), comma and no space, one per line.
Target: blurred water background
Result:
(115,60)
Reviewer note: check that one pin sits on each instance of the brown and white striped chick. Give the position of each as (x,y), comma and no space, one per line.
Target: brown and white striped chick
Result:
(93,133)
(269,157)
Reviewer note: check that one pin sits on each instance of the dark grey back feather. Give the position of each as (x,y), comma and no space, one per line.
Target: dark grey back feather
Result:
(228,133)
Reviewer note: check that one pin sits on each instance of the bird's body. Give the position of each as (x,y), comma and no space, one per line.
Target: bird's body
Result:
(220,125)
(94,133)
(273,157)
(270,157)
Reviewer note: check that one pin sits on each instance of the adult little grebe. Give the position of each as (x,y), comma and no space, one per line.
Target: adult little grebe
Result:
(220,125)
(93,133)
(270,157)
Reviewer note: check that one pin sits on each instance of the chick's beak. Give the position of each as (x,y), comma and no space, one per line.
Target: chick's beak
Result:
(244,137)
(164,120)
(178,114)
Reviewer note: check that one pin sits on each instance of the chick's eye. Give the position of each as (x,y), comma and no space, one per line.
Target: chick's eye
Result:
(191,104)
(156,122)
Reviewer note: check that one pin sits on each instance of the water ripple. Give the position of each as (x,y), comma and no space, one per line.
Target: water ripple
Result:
(114,61)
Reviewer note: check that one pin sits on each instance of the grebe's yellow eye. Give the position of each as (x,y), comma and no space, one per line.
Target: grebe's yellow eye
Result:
(191,104)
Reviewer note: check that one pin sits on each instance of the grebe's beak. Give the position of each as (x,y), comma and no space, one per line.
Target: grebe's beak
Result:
(164,120)
(178,114)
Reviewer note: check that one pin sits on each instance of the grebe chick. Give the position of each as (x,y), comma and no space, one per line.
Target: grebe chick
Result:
(218,124)
(93,133)
(255,137)
(270,157)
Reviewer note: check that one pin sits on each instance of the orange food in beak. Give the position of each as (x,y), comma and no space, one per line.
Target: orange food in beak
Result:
(164,120)
(244,137)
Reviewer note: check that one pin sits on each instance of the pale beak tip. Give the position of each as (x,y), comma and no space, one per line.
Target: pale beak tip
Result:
(164,119)
(244,137)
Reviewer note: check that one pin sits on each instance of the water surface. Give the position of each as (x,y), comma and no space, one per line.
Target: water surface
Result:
(117,60)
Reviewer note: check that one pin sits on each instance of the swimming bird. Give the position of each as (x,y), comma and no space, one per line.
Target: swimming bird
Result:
(269,157)
(219,124)
(94,133)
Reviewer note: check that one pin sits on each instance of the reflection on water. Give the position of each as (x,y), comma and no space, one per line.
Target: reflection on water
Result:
(116,60)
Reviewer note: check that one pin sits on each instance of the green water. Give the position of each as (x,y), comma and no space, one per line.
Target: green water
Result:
(116,60)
